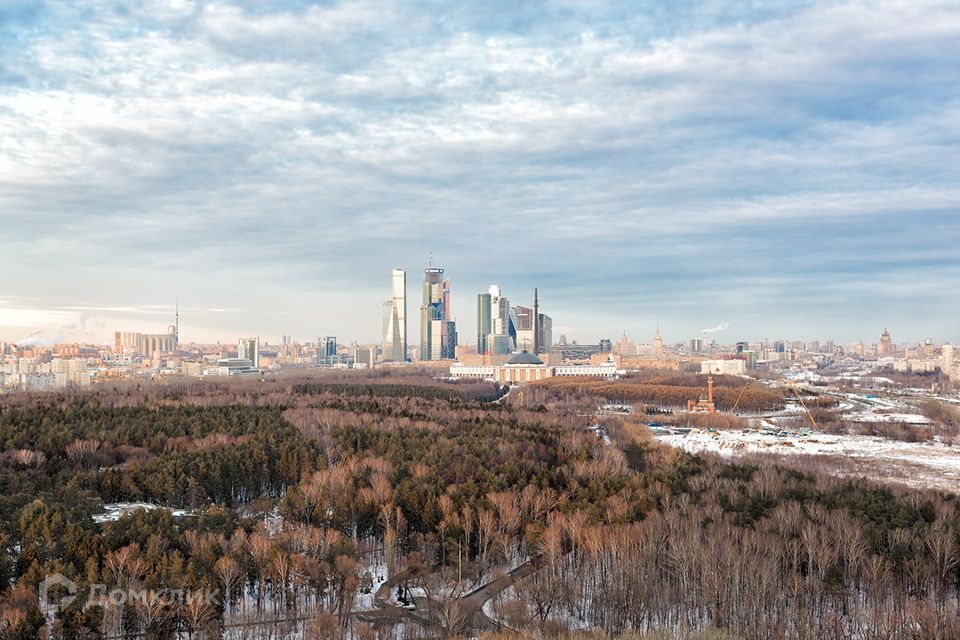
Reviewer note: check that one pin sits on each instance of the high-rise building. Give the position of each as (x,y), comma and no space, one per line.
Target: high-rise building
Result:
(435,316)
(502,320)
(484,321)
(450,345)
(947,358)
(696,345)
(606,346)
(885,346)
(545,333)
(395,320)
(431,313)
(327,350)
(523,323)
(126,341)
(249,349)
(657,342)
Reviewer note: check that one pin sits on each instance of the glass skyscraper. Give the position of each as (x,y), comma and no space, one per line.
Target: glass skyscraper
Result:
(395,320)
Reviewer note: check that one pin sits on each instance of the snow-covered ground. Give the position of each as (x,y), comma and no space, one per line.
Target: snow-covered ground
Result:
(116,510)
(927,464)
(876,416)
(377,569)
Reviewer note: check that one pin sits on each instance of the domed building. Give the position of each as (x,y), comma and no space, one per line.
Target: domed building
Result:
(523,366)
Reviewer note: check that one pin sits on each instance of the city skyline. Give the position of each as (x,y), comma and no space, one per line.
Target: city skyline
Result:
(723,334)
(790,171)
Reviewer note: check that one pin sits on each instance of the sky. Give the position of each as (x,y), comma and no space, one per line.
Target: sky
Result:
(786,169)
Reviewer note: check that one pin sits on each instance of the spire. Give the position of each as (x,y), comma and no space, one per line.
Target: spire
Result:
(176,323)
(536,322)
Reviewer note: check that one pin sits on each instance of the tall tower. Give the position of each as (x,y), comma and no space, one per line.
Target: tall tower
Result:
(885,346)
(947,359)
(176,324)
(484,321)
(432,313)
(657,342)
(249,349)
(395,319)
(536,322)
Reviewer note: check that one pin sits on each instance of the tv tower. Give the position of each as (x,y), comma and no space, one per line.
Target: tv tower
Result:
(536,322)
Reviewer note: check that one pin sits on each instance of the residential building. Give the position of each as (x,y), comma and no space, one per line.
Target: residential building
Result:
(249,349)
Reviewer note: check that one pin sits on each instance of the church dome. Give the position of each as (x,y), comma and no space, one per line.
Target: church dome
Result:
(524,357)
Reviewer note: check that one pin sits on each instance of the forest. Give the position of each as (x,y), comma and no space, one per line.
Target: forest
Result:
(375,507)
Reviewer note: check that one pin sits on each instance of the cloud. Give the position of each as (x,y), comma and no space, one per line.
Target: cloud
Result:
(270,156)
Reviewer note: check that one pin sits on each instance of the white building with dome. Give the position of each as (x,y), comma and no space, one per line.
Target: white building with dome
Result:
(524,367)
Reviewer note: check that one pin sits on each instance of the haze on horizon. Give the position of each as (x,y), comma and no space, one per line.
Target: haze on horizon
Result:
(791,168)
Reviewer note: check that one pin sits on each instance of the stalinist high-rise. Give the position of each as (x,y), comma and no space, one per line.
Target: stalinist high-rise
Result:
(395,320)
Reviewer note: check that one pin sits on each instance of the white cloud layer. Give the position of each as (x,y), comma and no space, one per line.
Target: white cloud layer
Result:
(711,159)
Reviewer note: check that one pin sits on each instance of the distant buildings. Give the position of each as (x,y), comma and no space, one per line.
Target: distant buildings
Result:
(885,347)
(364,357)
(249,349)
(327,350)
(624,347)
(146,344)
(149,344)
(232,367)
(657,343)
(732,367)
(502,329)
(525,367)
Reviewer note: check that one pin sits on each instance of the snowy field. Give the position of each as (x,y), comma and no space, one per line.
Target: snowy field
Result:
(114,511)
(928,464)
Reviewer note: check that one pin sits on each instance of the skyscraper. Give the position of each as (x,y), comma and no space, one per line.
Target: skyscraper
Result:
(522,318)
(436,340)
(544,333)
(327,350)
(484,321)
(395,320)
(502,320)
(249,349)
(657,342)
(885,346)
